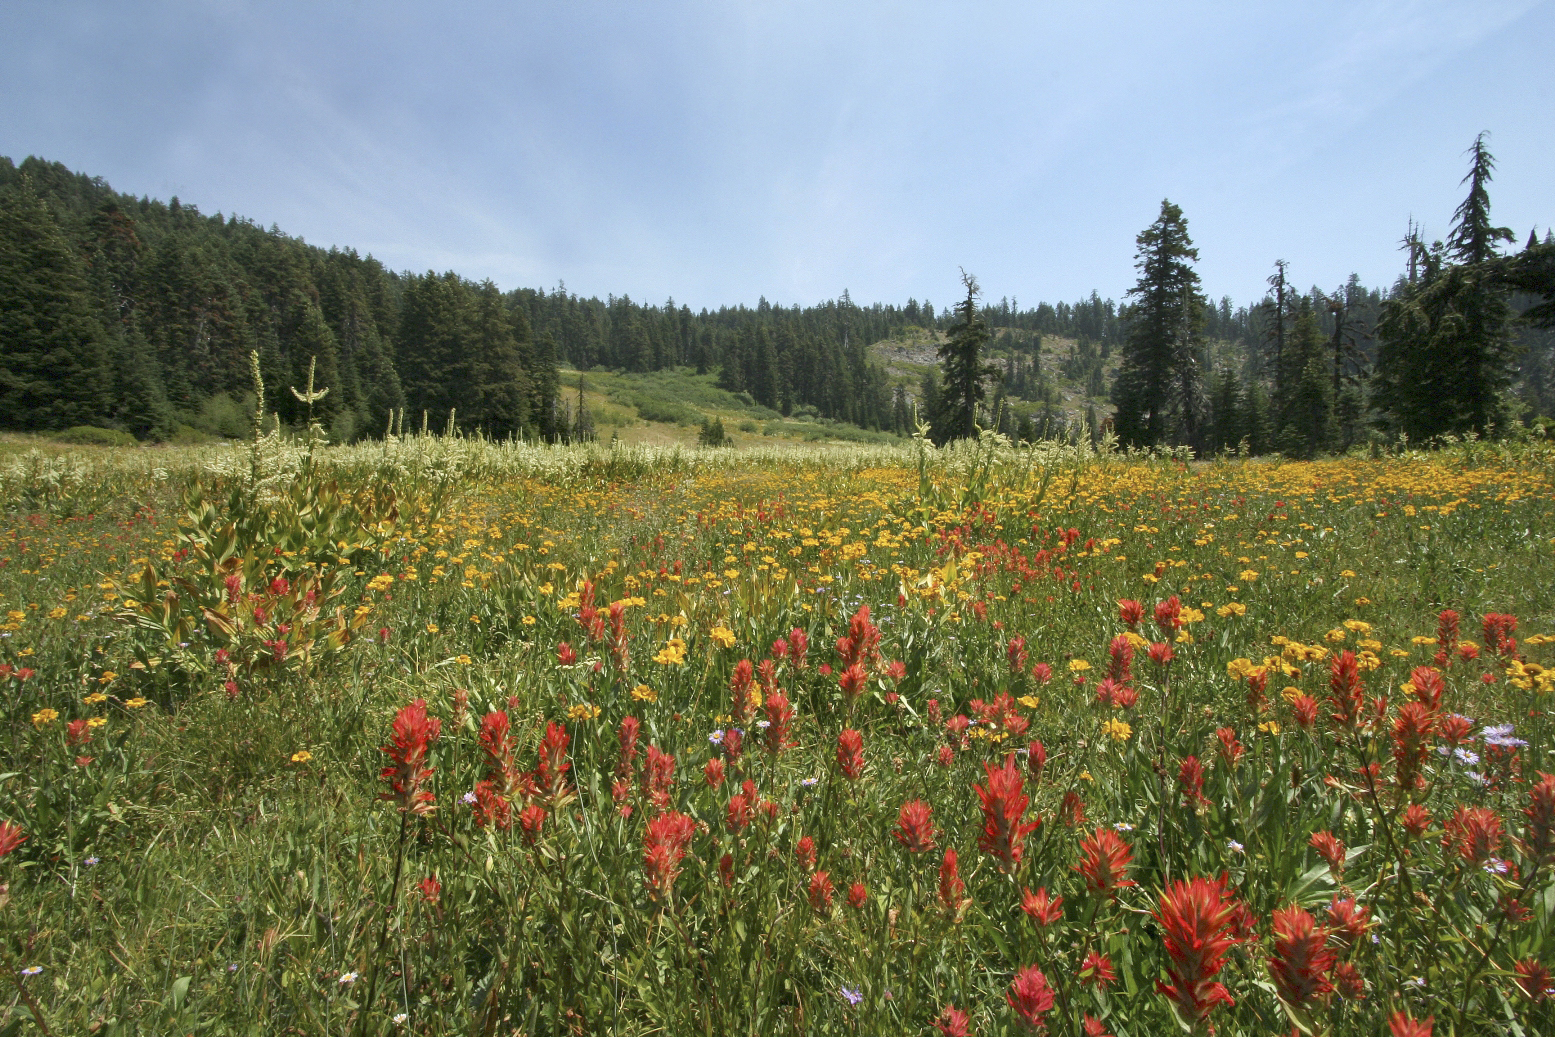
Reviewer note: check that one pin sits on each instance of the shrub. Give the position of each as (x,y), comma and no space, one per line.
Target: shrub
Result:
(91,435)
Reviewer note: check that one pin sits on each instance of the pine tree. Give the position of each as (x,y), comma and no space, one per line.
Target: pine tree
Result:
(961,356)
(53,367)
(1159,389)
(1445,358)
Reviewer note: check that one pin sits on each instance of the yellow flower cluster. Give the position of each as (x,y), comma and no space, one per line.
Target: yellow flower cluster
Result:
(672,654)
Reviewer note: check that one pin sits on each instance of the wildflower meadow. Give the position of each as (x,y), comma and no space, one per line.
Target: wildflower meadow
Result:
(439,736)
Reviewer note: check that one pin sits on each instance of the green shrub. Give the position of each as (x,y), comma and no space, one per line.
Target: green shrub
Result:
(90,435)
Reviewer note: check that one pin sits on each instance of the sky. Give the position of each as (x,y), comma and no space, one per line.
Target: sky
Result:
(720,152)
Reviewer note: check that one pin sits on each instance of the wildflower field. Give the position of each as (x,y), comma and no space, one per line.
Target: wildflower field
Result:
(438,736)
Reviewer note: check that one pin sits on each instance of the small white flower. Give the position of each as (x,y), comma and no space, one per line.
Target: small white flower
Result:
(401,1019)
(1124,826)
(32,970)
(467,798)
(347,978)
(1234,846)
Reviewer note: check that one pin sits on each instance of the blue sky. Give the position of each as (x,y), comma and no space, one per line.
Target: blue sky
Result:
(718,152)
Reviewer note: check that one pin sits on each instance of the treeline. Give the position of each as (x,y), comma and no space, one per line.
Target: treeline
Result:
(1462,345)
(141,315)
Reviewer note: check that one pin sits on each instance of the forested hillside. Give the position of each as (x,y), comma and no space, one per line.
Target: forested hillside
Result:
(141,315)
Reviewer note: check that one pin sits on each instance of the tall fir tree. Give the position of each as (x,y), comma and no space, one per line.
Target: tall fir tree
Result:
(54,361)
(1445,357)
(961,358)
(1159,390)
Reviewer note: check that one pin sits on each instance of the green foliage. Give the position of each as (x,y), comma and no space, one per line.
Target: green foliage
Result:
(91,435)
(1446,357)
(225,865)
(54,366)
(961,358)
(1159,388)
(713,434)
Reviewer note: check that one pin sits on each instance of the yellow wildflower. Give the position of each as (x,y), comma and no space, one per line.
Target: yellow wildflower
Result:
(44,717)
(1117,730)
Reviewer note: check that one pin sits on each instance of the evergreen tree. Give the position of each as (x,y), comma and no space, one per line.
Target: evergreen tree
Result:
(1445,358)
(1158,389)
(500,402)
(961,357)
(1306,404)
(53,368)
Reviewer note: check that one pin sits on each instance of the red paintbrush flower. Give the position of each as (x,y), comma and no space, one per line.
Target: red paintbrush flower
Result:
(1415,819)
(1300,963)
(411,740)
(565,655)
(741,812)
(1130,612)
(1190,782)
(1403,1025)
(915,826)
(821,890)
(1231,750)
(1015,651)
(805,852)
(1097,970)
(626,735)
(1003,802)
(1347,921)
(1331,850)
(1161,653)
(1120,664)
(491,806)
(951,886)
(858,896)
(1104,861)
(1412,734)
(530,819)
(798,645)
(780,719)
(1499,628)
(1532,978)
(1473,833)
(1446,636)
(766,676)
(658,776)
(1195,918)
(740,692)
(664,847)
(1427,684)
(1303,710)
(1031,997)
(1539,833)
(1036,760)
(551,775)
(1346,694)
(713,772)
(952,1022)
(1349,982)
(850,754)
(1168,614)
(852,681)
(1042,909)
(12,835)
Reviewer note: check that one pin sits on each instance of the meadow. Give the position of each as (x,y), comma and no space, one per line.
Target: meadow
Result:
(436,736)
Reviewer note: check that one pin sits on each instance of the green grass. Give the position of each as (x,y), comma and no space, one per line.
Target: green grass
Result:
(216,858)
